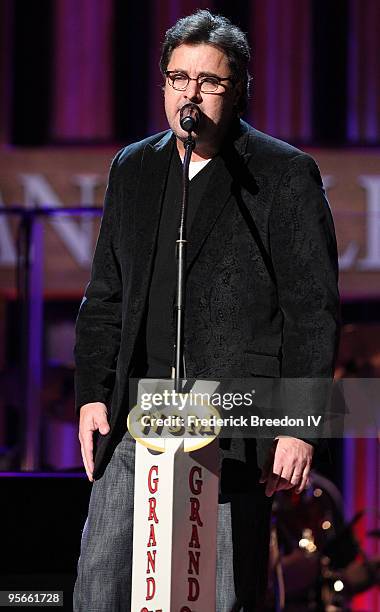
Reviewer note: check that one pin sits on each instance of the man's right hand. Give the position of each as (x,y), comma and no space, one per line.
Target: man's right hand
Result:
(92,417)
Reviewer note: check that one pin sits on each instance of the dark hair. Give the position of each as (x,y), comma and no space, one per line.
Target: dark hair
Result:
(216,30)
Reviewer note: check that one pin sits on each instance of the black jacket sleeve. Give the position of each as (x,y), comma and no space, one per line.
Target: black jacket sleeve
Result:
(98,325)
(305,261)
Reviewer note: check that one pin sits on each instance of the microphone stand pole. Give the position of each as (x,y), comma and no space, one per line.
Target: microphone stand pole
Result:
(181,267)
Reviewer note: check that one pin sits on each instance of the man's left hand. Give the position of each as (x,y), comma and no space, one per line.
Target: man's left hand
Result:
(288,465)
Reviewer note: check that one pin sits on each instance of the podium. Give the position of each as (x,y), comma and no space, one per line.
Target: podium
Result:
(175,514)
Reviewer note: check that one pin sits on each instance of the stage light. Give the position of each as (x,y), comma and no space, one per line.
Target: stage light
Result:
(338,585)
(326,525)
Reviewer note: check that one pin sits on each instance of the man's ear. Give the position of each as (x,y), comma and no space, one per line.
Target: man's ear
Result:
(238,91)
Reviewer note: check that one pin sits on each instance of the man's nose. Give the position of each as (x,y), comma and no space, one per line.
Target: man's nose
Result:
(193,92)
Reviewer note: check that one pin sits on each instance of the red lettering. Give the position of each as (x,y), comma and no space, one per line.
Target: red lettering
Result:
(150,588)
(193,589)
(151,558)
(194,540)
(152,516)
(152,537)
(195,485)
(152,509)
(193,562)
(194,511)
(153,482)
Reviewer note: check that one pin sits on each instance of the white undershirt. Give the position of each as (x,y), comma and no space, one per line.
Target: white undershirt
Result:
(197,166)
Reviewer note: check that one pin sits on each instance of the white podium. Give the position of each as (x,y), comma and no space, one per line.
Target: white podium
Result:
(175,519)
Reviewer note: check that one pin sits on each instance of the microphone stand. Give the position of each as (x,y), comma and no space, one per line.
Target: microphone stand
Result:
(181,267)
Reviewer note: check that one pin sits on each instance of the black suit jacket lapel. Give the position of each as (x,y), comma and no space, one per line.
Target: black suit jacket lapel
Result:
(155,166)
(218,192)
(214,200)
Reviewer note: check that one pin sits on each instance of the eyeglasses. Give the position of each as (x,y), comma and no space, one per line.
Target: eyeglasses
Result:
(207,84)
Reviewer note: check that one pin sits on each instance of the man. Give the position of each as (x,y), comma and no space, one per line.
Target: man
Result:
(261,301)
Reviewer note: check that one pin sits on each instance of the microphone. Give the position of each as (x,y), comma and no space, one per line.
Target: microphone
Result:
(189,117)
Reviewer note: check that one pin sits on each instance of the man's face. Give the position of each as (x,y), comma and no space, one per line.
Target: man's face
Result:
(217,109)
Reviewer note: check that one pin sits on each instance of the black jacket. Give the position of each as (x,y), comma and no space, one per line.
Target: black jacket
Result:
(262,297)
